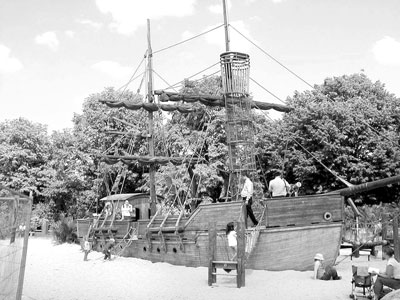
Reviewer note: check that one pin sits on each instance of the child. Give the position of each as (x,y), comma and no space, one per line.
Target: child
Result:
(86,248)
(107,249)
(324,272)
(232,239)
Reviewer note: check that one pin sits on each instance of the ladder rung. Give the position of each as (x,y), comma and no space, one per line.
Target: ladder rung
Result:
(230,265)
(228,262)
(224,274)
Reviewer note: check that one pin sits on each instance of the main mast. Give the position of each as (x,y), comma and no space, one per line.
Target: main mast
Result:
(235,74)
(151,121)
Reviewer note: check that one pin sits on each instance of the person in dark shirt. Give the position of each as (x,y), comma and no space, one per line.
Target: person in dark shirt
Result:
(107,249)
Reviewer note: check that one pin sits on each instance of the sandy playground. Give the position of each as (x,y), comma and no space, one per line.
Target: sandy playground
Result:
(58,272)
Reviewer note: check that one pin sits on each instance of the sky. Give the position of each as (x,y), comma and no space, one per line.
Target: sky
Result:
(54,54)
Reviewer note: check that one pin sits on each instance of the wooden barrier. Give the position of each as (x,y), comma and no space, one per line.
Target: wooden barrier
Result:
(238,264)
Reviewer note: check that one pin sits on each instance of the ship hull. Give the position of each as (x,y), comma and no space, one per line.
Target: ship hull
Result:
(292,232)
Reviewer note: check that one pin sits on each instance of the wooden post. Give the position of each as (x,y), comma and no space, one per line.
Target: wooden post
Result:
(25,247)
(241,248)
(384,226)
(212,244)
(385,220)
(243,218)
(45,227)
(396,237)
(151,122)
(226,24)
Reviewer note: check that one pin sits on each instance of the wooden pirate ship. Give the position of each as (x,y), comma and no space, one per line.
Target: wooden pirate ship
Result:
(290,230)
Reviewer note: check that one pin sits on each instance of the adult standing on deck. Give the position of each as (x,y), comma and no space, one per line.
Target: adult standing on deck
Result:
(247,196)
(126,210)
(278,187)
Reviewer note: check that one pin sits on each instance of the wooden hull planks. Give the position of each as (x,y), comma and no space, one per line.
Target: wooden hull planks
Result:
(293,230)
(294,248)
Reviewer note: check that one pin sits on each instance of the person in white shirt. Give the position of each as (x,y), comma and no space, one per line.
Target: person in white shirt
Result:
(232,239)
(126,210)
(247,196)
(278,187)
(391,276)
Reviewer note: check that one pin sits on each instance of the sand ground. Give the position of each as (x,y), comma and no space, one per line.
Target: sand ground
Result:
(58,272)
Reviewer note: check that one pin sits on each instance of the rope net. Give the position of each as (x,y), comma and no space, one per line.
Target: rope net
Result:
(15,215)
(235,70)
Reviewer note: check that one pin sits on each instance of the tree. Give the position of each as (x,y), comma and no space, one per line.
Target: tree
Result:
(352,126)
(24,150)
(72,171)
(200,135)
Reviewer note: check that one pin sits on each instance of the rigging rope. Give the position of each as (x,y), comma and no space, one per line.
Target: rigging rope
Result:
(131,79)
(189,39)
(329,170)
(198,80)
(267,90)
(159,76)
(303,80)
(271,57)
(201,148)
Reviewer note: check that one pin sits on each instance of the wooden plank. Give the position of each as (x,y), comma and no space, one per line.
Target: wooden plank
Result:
(228,265)
(166,229)
(228,262)
(283,248)
(302,211)
(223,212)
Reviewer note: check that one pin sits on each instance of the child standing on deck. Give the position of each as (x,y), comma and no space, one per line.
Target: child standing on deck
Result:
(232,239)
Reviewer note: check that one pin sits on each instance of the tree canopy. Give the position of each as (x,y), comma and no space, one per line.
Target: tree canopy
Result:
(349,124)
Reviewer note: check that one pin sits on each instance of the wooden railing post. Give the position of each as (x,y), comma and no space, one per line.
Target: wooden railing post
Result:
(241,245)
(385,220)
(212,244)
(396,237)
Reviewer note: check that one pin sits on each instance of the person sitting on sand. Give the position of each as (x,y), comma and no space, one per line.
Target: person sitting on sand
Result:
(391,276)
(232,239)
(323,272)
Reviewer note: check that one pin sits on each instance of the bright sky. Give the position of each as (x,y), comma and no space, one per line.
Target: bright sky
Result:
(53,54)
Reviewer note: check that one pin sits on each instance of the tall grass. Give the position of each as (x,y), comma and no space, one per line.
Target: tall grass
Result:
(64,231)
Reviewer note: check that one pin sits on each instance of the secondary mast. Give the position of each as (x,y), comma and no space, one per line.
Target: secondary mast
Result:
(151,120)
